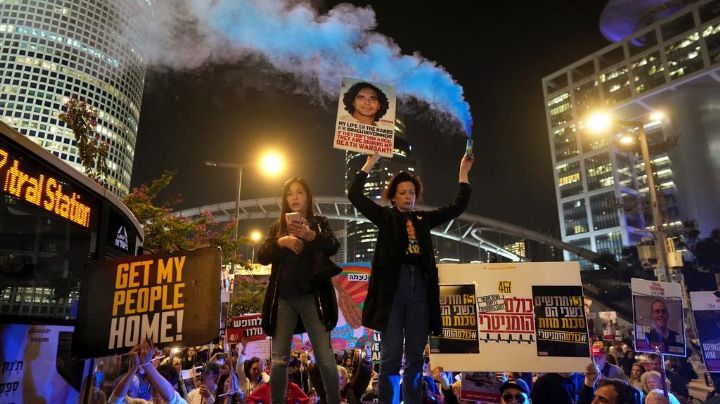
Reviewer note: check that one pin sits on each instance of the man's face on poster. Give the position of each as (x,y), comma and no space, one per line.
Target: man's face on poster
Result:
(659,314)
(366,103)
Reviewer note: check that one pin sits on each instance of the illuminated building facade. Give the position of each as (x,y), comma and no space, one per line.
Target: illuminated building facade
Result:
(361,237)
(51,50)
(665,58)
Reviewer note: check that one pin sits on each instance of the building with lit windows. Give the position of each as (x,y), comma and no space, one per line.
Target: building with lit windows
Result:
(516,247)
(361,237)
(665,57)
(51,50)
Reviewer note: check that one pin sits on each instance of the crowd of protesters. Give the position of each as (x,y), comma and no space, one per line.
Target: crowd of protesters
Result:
(402,304)
(211,374)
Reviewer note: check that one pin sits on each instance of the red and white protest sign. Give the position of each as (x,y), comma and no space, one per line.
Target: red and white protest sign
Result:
(246,326)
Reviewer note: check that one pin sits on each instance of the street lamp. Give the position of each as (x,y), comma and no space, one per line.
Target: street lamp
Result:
(599,122)
(271,163)
(255,236)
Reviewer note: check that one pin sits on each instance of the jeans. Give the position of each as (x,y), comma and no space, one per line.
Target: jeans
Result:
(409,320)
(287,313)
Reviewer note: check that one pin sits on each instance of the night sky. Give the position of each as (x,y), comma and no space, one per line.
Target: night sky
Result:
(498,52)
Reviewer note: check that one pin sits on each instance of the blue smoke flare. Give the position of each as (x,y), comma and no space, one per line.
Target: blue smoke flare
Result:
(295,38)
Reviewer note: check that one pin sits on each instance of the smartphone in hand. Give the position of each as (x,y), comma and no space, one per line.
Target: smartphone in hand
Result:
(293,217)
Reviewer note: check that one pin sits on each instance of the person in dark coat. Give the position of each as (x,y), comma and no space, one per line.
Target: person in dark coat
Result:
(403,294)
(293,302)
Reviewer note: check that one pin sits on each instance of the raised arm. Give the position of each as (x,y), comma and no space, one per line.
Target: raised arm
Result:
(458,206)
(120,391)
(161,385)
(240,366)
(356,193)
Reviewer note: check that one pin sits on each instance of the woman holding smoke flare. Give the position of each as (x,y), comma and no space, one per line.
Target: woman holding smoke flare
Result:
(296,301)
(403,297)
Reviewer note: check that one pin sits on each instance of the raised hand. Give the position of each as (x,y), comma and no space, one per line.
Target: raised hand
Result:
(370,162)
(465,165)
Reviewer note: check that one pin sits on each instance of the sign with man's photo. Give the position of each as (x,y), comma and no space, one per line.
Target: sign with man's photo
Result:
(166,298)
(658,317)
(365,117)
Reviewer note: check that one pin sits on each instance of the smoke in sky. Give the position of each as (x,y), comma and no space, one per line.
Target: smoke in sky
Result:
(318,49)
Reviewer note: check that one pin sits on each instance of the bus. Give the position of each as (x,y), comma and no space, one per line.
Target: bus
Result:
(53,219)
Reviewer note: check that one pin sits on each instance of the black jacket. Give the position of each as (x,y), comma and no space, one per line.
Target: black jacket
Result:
(391,243)
(270,253)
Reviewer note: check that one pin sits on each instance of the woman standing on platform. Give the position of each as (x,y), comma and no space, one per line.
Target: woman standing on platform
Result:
(403,296)
(296,244)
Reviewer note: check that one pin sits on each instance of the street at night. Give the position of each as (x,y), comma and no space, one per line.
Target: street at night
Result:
(315,201)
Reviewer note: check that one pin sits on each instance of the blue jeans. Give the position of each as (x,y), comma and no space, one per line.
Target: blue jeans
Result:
(408,321)
(287,313)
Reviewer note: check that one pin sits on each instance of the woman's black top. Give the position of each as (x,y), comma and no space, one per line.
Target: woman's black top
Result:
(294,277)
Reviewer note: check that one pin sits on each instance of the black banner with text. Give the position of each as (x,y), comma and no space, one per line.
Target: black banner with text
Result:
(560,324)
(171,299)
(460,329)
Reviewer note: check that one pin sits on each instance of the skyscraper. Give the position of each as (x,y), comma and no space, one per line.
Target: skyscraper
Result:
(361,237)
(51,50)
(665,58)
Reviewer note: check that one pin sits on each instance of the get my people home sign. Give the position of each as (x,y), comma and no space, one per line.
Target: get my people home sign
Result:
(171,299)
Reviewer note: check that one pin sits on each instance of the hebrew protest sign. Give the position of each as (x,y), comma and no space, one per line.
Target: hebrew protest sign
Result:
(246,326)
(530,318)
(351,287)
(560,323)
(706,310)
(37,365)
(457,310)
(171,299)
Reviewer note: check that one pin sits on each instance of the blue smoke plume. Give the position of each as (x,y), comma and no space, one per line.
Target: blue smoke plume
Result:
(296,39)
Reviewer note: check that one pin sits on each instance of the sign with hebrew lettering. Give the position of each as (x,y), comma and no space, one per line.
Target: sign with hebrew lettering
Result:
(530,318)
(246,326)
(457,310)
(560,323)
(351,287)
(170,299)
(37,366)
(706,309)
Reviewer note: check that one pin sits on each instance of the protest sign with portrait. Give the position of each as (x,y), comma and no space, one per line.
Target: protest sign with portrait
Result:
(658,317)
(609,322)
(706,310)
(365,117)
(170,299)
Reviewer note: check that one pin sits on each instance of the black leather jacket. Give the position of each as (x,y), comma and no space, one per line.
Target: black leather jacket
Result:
(392,241)
(270,253)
